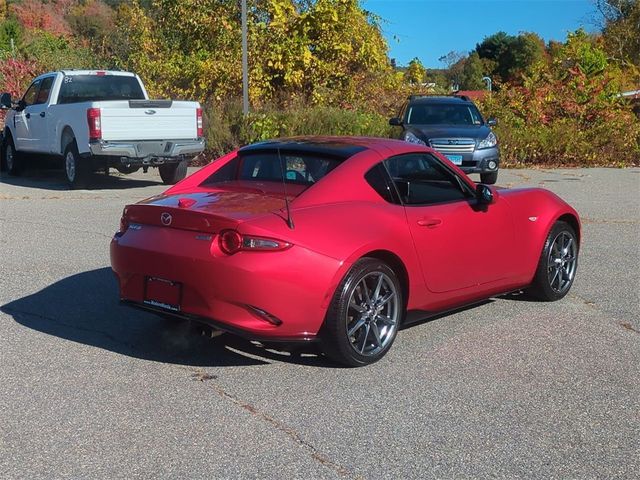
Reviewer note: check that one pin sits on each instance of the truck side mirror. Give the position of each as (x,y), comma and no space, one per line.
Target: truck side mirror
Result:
(5,101)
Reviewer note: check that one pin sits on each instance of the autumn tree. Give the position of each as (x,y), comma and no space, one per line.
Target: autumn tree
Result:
(415,72)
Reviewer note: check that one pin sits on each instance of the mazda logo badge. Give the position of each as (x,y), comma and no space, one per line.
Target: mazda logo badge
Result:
(166,218)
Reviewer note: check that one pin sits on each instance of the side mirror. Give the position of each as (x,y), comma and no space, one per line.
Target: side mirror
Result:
(5,101)
(492,122)
(21,105)
(395,122)
(485,194)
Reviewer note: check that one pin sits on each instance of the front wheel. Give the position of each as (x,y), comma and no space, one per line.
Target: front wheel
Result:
(364,315)
(11,159)
(172,173)
(489,178)
(557,265)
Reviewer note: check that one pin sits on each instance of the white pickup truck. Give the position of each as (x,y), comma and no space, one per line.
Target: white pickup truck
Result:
(96,120)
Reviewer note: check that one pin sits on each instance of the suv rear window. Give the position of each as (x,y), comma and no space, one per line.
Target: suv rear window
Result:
(300,168)
(86,88)
(443,114)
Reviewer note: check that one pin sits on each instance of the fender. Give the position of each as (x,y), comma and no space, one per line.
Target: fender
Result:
(67,136)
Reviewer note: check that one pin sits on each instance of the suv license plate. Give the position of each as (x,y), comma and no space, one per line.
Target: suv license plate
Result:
(456,159)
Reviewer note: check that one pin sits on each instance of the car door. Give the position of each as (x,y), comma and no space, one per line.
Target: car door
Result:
(24,139)
(460,243)
(38,116)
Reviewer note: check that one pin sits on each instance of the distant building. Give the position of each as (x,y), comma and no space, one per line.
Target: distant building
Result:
(473,94)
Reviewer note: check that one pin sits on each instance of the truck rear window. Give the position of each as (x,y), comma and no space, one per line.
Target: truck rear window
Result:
(87,88)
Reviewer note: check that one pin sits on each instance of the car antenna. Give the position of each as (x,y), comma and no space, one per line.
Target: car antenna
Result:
(284,188)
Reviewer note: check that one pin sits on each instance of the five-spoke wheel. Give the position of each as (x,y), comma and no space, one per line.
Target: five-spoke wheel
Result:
(363,319)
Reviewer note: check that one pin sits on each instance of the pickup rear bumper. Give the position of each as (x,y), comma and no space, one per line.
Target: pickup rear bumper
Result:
(147,151)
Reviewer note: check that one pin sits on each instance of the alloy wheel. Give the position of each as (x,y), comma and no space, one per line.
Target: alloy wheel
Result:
(561,262)
(70,166)
(373,314)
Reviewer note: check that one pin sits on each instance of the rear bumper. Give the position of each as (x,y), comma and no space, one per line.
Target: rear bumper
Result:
(227,292)
(134,152)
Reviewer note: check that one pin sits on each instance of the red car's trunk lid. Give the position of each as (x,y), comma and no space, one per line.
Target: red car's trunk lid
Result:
(204,211)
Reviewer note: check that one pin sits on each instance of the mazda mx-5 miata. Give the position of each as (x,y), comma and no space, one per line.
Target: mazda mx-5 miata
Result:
(339,240)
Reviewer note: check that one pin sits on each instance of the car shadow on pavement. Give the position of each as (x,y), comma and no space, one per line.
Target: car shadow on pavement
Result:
(84,308)
(46,179)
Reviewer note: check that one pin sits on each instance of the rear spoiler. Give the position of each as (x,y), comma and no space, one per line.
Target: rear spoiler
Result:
(150,103)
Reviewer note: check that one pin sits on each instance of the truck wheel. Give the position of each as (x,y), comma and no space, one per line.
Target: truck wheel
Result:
(173,172)
(11,159)
(76,170)
(489,178)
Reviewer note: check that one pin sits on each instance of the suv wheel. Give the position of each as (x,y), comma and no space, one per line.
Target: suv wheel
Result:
(489,178)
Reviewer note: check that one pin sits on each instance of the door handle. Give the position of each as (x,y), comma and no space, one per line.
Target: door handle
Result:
(430,222)
(28,115)
(42,114)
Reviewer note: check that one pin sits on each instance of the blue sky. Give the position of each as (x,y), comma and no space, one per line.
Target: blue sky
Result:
(429,29)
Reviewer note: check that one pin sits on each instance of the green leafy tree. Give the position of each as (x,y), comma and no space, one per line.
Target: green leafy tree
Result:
(415,72)
(472,73)
(621,29)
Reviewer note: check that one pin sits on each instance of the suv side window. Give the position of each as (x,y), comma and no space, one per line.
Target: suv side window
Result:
(45,89)
(421,179)
(29,97)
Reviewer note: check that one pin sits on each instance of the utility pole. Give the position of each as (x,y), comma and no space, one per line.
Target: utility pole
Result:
(245,62)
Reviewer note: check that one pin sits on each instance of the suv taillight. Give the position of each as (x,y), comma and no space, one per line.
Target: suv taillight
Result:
(95,124)
(199,122)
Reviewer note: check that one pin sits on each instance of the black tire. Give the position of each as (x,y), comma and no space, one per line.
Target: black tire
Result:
(372,331)
(489,178)
(12,161)
(556,269)
(172,173)
(76,170)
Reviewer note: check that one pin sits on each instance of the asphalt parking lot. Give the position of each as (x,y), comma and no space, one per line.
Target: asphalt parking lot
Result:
(510,388)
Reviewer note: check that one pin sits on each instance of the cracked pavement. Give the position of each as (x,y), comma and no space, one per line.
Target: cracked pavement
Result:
(509,388)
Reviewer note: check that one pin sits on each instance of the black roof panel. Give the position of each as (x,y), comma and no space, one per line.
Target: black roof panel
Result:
(333,147)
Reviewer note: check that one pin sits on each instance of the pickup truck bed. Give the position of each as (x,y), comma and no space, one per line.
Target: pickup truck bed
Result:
(96,120)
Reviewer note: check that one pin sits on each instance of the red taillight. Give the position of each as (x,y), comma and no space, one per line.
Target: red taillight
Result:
(124,222)
(95,123)
(232,242)
(199,122)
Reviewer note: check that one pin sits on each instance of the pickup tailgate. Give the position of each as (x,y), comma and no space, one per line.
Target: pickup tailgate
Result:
(150,121)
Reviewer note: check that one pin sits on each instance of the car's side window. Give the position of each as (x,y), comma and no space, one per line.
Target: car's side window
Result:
(421,179)
(380,181)
(45,89)
(29,97)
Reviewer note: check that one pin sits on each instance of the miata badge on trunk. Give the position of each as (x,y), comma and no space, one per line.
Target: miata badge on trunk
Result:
(166,218)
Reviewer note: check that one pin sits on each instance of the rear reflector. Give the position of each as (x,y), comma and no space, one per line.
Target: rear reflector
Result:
(199,122)
(95,123)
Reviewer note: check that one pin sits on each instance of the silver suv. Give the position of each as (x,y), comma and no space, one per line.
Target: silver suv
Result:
(453,126)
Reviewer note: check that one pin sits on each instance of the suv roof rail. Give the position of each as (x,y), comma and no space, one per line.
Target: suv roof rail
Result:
(427,95)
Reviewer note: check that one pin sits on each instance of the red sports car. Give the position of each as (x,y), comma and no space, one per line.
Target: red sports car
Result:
(340,240)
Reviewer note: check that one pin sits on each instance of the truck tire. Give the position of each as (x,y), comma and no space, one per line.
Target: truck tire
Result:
(172,173)
(11,159)
(76,170)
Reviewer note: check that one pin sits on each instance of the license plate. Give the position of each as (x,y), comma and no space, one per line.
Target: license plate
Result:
(456,159)
(162,293)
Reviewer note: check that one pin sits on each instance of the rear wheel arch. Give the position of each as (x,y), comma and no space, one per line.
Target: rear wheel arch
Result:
(397,265)
(66,138)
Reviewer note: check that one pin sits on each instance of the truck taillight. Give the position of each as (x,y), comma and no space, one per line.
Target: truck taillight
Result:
(95,124)
(199,122)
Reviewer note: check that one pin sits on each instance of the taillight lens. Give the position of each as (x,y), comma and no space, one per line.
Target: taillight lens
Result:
(95,123)
(231,242)
(199,122)
(124,222)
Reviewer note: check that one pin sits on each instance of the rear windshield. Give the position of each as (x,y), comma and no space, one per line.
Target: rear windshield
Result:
(86,88)
(300,169)
(443,114)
